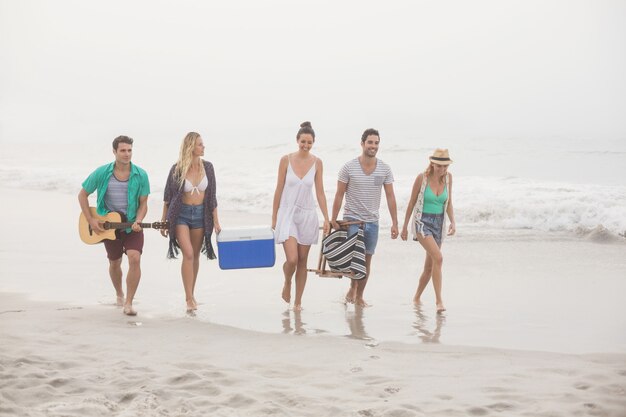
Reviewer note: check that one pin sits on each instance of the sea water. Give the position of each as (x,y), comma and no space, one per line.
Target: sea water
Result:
(577,187)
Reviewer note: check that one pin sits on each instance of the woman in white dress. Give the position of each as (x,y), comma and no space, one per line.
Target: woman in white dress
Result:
(294,215)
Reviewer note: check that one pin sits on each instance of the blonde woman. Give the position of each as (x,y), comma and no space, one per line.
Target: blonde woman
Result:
(294,216)
(190,207)
(432,199)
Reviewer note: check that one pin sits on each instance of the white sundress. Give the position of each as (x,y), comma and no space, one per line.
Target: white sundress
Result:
(297,214)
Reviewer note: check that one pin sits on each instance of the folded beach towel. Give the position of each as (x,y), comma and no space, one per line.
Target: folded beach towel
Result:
(345,253)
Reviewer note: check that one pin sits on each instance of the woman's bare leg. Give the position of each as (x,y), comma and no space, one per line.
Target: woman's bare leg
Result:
(289,267)
(183,236)
(197,237)
(424,279)
(434,252)
(301,274)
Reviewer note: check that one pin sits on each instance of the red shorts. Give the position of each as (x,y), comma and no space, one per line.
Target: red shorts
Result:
(126,241)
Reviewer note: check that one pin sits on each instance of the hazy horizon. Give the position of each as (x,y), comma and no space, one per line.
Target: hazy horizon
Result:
(245,70)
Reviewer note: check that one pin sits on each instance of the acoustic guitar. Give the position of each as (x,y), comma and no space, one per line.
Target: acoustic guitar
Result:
(110,223)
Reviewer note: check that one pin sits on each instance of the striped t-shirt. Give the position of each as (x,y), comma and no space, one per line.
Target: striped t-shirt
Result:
(363,191)
(116,197)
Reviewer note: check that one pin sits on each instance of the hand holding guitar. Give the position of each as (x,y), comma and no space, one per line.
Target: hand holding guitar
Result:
(136,227)
(96,225)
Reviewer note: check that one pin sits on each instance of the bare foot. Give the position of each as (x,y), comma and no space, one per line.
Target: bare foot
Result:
(351,296)
(120,300)
(440,308)
(195,303)
(361,303)
(191,306)
(286,296)
(297,307)
(129,311)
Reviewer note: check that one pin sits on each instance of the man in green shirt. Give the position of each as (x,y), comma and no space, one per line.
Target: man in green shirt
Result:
(122,187)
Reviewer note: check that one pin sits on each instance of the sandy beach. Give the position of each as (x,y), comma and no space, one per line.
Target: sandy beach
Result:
(527,98)
(66,350)
(90,361)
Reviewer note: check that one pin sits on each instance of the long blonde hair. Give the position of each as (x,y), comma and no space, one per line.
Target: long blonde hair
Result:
(185,157)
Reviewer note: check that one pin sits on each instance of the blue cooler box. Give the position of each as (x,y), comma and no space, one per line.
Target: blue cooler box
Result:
(250,247)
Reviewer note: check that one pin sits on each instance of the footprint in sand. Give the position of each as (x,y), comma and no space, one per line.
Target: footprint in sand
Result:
(478,411)
(12,311)
(582,386)
(591,406)
(499,407)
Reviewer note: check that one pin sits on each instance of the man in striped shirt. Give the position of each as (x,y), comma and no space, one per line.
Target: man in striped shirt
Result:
(361,180)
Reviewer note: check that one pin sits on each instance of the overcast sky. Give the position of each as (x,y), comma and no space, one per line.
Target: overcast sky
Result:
(249,69)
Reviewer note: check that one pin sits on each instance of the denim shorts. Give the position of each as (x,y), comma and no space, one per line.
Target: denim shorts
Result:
(370,231)
(192,216)
(433,223)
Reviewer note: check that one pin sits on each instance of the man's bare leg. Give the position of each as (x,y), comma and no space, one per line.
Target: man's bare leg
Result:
(360,287)
(115,272)
(132,280)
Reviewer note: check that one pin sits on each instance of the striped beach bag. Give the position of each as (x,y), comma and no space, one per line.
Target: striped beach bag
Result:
(345,254)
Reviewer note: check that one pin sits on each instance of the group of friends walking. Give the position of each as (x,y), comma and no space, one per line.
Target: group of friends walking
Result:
(190,208)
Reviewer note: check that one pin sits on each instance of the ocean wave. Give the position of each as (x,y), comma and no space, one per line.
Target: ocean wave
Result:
(600,234)
(593,212)
(585,210)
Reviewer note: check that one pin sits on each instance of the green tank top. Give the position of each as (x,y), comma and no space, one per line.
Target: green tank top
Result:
(434,204)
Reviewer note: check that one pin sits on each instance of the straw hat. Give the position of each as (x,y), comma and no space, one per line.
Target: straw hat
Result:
(441,157)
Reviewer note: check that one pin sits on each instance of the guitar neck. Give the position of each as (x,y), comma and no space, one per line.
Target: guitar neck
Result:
(110,225)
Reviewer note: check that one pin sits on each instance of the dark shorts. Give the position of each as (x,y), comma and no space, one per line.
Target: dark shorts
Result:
(191,216)
(370,232)
(432,226)
(126,241)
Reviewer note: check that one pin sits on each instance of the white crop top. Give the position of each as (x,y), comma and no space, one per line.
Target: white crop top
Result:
(189,187)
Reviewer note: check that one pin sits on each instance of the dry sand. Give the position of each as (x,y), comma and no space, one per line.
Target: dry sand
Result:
(73,361)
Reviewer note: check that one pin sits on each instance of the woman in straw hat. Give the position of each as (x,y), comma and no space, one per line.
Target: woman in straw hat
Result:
(431,200)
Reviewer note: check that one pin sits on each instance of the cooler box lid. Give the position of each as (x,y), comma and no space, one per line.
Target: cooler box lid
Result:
(238,234)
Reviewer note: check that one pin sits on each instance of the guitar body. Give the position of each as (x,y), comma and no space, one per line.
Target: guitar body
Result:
(88,235)
(110,223)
